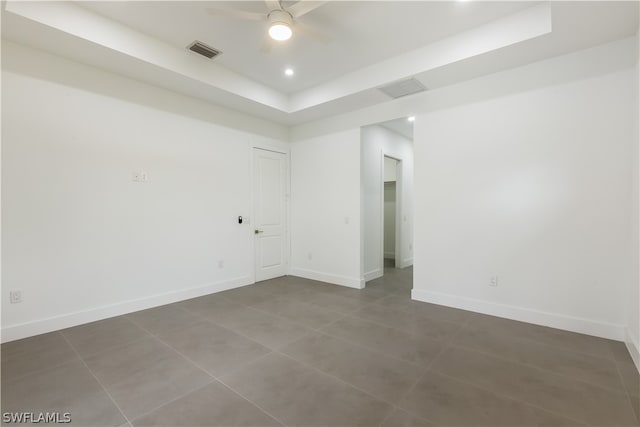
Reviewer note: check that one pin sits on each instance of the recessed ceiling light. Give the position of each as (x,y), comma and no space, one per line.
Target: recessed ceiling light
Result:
(411,118)
(288,72)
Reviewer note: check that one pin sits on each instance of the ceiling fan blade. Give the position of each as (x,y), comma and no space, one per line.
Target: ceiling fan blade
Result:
(235,13)
(310,32)
(303,7)
(273,5)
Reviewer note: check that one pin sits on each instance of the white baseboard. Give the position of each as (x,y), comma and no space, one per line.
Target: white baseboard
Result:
(407,262)
(41,326)
(634,348)
(351,282)
(373,274)
(553,320)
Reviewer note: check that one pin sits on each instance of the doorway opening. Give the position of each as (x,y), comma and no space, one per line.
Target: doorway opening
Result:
(391,233)
(387,205)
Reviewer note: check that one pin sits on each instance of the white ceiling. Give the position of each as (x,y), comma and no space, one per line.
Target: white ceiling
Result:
(362,33)
(373,43)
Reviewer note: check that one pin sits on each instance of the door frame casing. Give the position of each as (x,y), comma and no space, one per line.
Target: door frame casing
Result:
(287,211)
(399,210)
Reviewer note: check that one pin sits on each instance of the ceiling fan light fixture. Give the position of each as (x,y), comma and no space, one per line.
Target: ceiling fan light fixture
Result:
(280,32)
(280,23)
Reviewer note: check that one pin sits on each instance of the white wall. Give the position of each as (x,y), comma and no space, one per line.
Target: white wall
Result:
(325,208)
(532,187)
(565,135)
(633,318)
(389,212)
(81,240)
(378,141)
(582,291)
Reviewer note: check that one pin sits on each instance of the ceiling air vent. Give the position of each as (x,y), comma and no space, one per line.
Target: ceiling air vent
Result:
(403,88)
(204,50)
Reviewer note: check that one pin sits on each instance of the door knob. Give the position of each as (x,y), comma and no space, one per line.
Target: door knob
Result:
(257,231)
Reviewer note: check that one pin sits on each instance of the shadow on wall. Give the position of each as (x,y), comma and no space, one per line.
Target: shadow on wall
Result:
(45,66)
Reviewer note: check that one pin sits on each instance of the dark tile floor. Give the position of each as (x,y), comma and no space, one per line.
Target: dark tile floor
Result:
(296,352)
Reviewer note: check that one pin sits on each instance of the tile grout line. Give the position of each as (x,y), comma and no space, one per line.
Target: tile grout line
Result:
(371,349)
(214,380)
(96,378)
(179,353)
(428,369)
(629,397)
(399,409)
(272,297)
(318,330)
(325,293)
(447,344)
(348,384)
(295,321)
(275,316)
(276,350)
(188,360)
(535,342)
(399,329)
(44,370)
(172,400)
(213,377)
(412,335)
(609,358)
(547,371)
(508,397)
(450,344)
(419,315)
(220,325)
(113,347)
(392,294)
(310,329)
(250,401)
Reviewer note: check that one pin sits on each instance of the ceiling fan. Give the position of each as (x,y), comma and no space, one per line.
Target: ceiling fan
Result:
(281,20)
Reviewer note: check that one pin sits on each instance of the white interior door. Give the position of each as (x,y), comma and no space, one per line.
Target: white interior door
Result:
(270,172)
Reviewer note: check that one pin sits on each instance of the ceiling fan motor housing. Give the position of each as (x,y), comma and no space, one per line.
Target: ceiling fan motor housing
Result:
(280,16)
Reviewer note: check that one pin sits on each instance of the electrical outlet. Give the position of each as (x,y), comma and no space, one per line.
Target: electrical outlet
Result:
(221,263)
(494,281)
(310,256)
(15,297)
(139,177)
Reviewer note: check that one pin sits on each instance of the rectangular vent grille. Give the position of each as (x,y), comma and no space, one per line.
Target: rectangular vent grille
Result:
(403,88)
(204,50)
